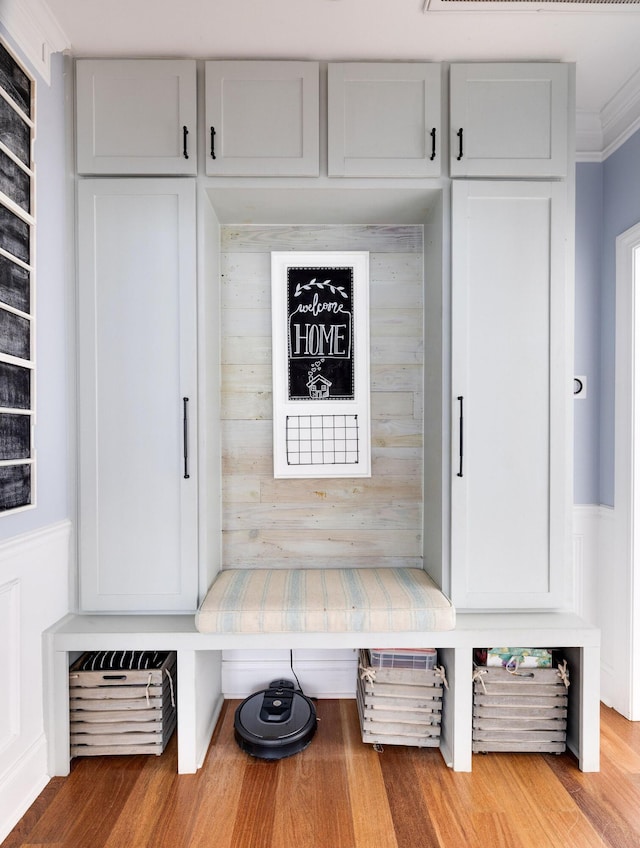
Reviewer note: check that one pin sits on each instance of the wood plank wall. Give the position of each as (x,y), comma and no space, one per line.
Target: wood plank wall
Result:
(322,522)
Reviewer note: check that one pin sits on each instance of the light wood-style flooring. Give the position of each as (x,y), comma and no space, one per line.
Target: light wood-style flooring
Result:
(341,793)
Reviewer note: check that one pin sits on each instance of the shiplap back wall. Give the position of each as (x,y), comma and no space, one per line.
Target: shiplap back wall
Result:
(329,522)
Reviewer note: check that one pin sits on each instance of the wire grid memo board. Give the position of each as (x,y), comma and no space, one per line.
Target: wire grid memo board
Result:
(320,325)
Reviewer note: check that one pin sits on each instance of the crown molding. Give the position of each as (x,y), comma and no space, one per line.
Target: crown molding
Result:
(36,32)
(621,115)
(599,134)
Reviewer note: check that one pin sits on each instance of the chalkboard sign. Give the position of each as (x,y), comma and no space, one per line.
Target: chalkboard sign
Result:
(15,335)
(320,333)
(15,236)
(14,81)
(14,182)
(15,386)
(14,285)
(15,436)
(320,321)
(15,486)
(15,132)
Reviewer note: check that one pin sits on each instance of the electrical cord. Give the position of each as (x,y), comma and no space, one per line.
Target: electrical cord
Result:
(292,670)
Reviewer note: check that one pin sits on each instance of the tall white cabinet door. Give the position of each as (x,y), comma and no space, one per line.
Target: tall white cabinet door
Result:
(136,116)
(511,396)
(262,118)
(509,120)
(384,119)
(137,395)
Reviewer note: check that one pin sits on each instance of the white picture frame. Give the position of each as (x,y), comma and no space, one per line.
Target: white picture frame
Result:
(321,366)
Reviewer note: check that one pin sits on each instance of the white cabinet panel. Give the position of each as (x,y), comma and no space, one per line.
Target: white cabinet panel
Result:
(509,120)
(511,387)
(262,118)
(384,119)
(137,364)
(136,116)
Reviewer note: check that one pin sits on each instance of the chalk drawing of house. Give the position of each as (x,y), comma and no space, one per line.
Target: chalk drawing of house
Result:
(319,387)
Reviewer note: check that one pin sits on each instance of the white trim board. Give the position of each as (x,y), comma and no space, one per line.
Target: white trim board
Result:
(36,32)
(625,608)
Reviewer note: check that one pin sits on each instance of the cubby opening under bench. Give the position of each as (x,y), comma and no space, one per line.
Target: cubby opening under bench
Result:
(325,608)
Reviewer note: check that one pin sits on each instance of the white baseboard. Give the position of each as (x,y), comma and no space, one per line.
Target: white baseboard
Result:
(330,676)
(21,785)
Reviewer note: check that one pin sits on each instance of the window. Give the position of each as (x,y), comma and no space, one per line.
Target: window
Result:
(17,251)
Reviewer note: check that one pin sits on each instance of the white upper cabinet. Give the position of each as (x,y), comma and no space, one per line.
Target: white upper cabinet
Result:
(384,119)
(509,120)
(262,118)
(136,116)
(511,395)
(138,463)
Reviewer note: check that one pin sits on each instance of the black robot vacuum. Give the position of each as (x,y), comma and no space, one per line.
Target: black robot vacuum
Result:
(276,722)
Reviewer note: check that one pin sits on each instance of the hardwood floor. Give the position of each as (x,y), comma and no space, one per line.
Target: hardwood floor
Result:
(340,793)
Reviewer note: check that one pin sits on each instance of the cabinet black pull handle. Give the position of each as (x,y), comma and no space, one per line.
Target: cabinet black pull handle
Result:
(433,144)
(461,442)
(459,134)
(213,142)
(185,435)
(185,133)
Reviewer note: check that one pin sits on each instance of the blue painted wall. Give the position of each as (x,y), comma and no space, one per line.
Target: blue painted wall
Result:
(53,487)
(621,210)
(607,204)
(589,197)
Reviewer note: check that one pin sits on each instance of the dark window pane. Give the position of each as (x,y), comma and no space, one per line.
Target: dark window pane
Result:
(15,335)
(15,486)
(14,285)
(15,436)
(15,386)
(15,133)
(14,81)
(14,182)
(14,234)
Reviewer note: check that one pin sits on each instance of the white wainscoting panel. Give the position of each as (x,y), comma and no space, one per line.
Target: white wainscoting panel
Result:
(600,579)
(9,665)
(34,593)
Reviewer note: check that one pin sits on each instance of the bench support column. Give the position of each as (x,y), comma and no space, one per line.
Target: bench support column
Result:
(200,700)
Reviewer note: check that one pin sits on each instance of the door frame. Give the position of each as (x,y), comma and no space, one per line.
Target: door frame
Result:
(624,615)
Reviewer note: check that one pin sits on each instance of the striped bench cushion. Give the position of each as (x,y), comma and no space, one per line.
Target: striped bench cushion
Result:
(324,600)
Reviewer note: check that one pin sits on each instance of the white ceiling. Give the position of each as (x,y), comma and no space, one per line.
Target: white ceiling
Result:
(604,42)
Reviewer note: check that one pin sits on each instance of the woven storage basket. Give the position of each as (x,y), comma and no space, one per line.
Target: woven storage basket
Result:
(521,711)
(399,706)
(122,702)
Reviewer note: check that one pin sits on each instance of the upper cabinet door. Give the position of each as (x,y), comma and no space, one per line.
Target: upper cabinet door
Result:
(136,116)
(509,120)
(262,119)
(384,119)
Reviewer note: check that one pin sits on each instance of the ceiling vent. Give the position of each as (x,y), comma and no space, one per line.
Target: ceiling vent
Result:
(531,5)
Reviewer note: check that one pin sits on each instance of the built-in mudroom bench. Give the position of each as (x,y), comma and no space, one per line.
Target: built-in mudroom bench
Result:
(263,200)
(200,698)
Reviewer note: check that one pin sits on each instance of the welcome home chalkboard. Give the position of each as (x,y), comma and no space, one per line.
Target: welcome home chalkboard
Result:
(320,333)
(320,322)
